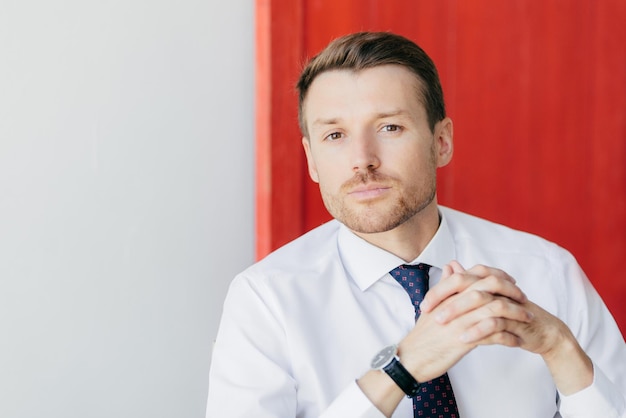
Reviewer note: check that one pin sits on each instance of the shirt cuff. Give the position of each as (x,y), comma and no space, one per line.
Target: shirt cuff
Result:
(600,399)
(352,402)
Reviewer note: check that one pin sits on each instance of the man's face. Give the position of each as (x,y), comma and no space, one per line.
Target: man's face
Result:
(370,148)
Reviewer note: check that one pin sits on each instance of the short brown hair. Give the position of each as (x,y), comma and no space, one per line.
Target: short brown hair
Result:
(362,50)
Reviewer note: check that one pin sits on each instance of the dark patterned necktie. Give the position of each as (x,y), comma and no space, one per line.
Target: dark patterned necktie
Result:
(435,398)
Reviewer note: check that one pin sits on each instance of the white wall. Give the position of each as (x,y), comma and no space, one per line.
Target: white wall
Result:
(126,200)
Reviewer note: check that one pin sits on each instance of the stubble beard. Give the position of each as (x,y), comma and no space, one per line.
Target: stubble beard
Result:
(376,216)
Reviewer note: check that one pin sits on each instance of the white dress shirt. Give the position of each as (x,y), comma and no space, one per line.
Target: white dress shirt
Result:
(300,326)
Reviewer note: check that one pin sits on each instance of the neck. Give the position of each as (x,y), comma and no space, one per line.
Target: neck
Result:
(409,239)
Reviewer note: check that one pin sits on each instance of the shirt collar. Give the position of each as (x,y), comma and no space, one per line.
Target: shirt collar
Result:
(366,263)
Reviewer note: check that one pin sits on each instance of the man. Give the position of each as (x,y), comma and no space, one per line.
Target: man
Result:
(301,327)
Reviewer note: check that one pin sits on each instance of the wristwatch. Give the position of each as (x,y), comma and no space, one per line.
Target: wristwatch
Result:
(387,360)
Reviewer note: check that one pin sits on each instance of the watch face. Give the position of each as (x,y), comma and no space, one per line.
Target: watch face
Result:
(384,357)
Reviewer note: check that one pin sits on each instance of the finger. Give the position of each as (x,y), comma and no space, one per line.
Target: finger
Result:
(484,271)
(480,294)
(447,272)
(451,268)
(455,283)
(501,338)
(499,283)
(497,316)
(462,304)
(456,266)
(479,278)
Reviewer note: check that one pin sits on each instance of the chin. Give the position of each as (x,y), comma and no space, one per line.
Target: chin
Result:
(368,223)
(377,219)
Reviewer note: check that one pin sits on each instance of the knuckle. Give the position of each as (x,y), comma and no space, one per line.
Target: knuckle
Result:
(490,324)
(480,269)
(491,282)
(476,296)
(498,324)
(504,338)
(497,306)
(455,280)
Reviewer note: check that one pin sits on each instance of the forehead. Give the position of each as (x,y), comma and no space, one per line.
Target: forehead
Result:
(340,93)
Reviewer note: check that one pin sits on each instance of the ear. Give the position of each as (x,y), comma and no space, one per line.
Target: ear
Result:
(309,159)
(444,143)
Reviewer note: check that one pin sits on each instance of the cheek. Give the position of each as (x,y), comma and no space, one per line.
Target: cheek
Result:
(417,164)
(325,177)
(330,177)
(326,165)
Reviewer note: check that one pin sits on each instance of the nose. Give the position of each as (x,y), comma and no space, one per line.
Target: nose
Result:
(365,153)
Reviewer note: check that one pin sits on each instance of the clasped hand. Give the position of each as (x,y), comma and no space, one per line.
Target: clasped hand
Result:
(482,306)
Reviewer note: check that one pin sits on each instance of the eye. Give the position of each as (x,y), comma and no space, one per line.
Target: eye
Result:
(391,128)
(334,136)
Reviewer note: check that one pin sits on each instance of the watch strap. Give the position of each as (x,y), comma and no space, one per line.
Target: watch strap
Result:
(402,377)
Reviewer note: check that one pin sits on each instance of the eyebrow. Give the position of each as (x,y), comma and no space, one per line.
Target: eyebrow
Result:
(325,122)
(398,112)
(382,115)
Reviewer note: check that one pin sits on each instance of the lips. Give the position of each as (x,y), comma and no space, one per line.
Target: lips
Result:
(367,188)
(368,191)
(368,185)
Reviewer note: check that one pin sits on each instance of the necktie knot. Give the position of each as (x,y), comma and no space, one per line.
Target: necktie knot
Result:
(414,279)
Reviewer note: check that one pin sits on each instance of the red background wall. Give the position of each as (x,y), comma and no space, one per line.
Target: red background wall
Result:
(537,92)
